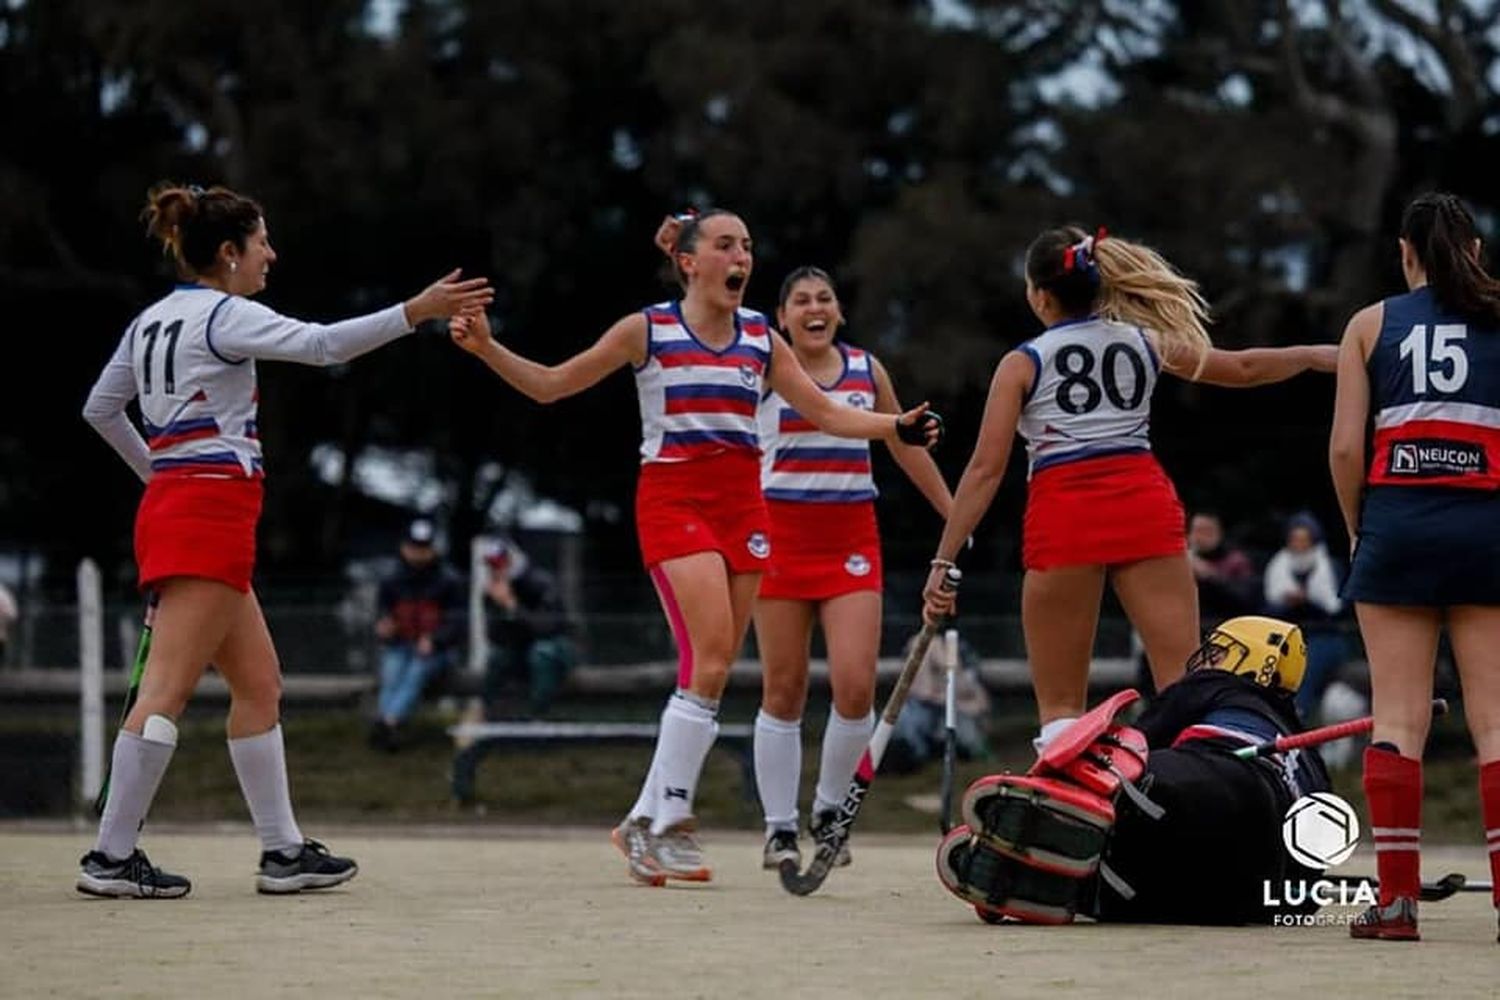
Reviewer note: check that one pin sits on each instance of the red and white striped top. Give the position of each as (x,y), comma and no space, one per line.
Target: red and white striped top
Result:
(802,464)
(697,401)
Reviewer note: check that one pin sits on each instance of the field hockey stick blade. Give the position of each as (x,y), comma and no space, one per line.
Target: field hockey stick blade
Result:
(805,883)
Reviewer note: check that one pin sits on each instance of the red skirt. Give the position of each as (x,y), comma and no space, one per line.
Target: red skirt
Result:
(197,526)
(710,504)
(823,550)
(1102,512)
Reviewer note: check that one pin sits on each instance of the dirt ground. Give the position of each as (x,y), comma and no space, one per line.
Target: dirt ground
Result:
(534,913)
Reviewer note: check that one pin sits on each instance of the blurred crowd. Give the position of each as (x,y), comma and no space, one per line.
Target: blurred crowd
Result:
(1299,583)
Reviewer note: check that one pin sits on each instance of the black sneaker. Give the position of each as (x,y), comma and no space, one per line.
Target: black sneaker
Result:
(311,868)
(821,828)
(133,878)
(781,846)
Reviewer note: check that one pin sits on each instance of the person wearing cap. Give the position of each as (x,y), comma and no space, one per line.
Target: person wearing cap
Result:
(527,626)
(421,610)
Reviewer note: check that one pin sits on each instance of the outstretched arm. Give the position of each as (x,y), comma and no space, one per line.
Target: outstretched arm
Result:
(623,343)
(239,328)
(1351,411)
(794,385)
(916,462)
(981,478)
(1252,366)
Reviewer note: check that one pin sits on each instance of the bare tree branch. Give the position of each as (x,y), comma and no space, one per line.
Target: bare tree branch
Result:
(1451,47)
(1366,85)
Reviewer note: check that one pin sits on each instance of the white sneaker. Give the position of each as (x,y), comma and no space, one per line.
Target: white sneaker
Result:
(677,854)
(632,838)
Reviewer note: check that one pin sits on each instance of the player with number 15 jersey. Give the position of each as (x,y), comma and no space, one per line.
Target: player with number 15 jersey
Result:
(1420,504)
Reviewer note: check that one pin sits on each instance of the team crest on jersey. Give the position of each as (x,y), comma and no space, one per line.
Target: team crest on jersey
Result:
(758,544)
(748,376)
(857,400)
(857,565)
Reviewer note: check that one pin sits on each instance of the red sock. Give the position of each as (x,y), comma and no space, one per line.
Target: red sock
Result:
(1489,804)
(1393,788)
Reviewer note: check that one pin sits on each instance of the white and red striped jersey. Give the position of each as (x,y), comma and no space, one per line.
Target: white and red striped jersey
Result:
(1435,395)
(190,360)
(696,401)
(803,464)
(1091,395)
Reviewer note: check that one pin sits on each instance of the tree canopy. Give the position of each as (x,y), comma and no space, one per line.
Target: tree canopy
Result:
(913,149)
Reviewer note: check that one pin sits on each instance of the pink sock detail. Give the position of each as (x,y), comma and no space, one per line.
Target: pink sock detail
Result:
(678,626)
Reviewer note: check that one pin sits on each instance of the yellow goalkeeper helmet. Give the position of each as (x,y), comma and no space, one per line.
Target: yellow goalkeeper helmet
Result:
(1268,651)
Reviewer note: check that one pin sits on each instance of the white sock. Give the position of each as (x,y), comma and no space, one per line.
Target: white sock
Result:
(687,732)
(136,769)
(645,803)
(1049,733)
(844,740)
(260,763)
(778,769)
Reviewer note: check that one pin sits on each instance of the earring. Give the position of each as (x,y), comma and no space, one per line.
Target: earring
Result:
(234,266)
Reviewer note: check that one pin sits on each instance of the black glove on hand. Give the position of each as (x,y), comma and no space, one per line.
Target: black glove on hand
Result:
(917,433)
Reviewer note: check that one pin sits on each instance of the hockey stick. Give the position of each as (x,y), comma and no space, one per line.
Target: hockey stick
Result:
(132,689)
(1431,892)
(950,732)
(1323,734)
(806,883)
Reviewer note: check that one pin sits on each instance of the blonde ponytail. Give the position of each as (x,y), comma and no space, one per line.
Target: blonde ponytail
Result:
(1138,286)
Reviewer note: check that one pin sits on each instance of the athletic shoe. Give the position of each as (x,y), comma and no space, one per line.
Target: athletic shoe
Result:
(675,852)
(1396,921)
(632,838)
(313,867)
(781,846)
(133,878)
(821,828)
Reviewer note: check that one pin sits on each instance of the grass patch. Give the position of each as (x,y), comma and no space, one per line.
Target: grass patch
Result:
(337,777)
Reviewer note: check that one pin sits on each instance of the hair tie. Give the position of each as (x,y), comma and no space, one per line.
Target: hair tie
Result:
(1080,256)
(195,191)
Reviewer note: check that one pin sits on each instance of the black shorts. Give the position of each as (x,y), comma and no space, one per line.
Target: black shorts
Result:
(1206,859)
(1427,546)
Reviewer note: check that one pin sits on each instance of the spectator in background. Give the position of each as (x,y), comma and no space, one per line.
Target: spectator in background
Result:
(919,733)
(527,626)
(1302,586)
(8,614)
(421,610)
(1224,573)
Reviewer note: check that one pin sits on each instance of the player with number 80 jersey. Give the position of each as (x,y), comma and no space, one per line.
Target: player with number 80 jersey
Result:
(1099,508)
(1090,402)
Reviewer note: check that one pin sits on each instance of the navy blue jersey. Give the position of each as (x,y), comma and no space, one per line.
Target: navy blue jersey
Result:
(1434,397)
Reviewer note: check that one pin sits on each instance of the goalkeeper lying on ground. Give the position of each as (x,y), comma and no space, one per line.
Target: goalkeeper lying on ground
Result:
(1156,822)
